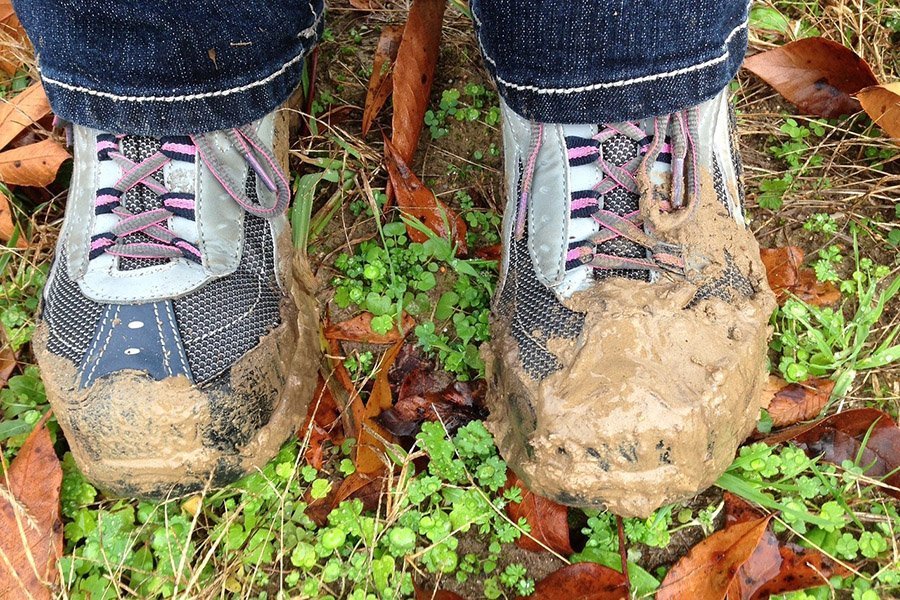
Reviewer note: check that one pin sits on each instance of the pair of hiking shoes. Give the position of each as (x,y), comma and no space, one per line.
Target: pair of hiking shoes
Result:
(178,335)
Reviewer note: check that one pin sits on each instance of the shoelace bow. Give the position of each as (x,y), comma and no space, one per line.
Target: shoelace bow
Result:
(671,133)
(152,223)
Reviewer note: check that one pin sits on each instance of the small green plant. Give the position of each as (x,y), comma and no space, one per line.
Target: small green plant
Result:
(397,276)
(793,150)
(473,103)
(821,223)
(822,342)
(19,298)
(22,403)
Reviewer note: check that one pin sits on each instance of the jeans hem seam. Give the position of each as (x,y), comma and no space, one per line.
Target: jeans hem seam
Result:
(726,52)
(197,96)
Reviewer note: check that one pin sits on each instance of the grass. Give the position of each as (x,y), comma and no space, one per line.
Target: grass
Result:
(827,186)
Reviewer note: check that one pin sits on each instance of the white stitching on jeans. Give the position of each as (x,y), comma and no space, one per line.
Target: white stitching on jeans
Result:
(186,97)
(623,82)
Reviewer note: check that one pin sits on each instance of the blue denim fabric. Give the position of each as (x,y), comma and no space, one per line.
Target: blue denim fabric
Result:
(162,67)
(586,61)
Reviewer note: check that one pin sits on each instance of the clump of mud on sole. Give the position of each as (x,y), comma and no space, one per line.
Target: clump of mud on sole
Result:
(133,436)
(654,396)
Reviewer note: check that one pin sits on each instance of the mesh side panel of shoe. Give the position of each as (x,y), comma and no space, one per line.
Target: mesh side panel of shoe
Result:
(71,318)
(535,313)
(225,319)
(728,286)
(139,199)
(719,184)
(736,159)
(618,150)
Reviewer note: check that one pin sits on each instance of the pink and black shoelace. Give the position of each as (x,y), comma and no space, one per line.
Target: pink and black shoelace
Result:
(671,140)
(158,240)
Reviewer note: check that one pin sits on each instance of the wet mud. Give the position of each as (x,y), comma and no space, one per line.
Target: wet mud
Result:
(660,388)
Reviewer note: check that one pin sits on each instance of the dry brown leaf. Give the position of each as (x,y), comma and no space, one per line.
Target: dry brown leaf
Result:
(24,110)
(323,423)
(368,446)
(775,568)
(428,594)
(8,362)
(381,82)
(549,520)
(414,73)
(815,74)
(35,164)
(7,225)
(800,568)
(787,277)
(417,201)
(796,402)
(582,581)
(882,103)
(11,29)
(346,396)
(31,531)
(707,571)
(363,4)
(359,329)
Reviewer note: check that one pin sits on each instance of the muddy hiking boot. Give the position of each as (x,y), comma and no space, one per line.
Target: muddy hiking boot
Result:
(629,333)
(177,333)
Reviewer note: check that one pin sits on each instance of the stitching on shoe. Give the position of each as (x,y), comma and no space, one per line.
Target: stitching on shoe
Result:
(162,340)
(178,351)
(102,350)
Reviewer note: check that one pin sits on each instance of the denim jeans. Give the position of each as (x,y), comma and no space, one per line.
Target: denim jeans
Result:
(157,67)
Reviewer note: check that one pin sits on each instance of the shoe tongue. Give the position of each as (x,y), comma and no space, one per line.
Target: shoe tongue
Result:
(140,198)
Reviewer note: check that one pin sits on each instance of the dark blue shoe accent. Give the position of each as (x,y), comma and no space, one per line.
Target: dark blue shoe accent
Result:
(139,337)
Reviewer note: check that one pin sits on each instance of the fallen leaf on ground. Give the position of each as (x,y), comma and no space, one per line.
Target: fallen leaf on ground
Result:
(428,594)
(817,75)
(417,201)
(346,396)
(795,402)
(764,564)
(29,106)
(7,226)
(359,329)
(31,531)
(491,252)
(363,4)
(738,510)
(34,164)
(582,581)
(7,363)
(786,277)
(882,104)
(428,394)
(549,521)
(775,568)
(706,572)
(323,423)
(839,437)
(368,445)
(414,73)
(13,30)
(381,82)
(800,568)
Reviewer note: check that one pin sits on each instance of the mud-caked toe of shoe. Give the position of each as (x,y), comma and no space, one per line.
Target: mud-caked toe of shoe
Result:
(650,402)
(133,435)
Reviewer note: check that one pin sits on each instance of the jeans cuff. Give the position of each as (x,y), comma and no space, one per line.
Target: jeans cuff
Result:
(182,112)
(658,93)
